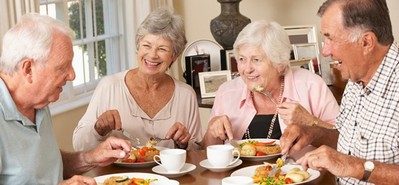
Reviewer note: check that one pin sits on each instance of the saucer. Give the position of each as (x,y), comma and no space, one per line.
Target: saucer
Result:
(186,169)
(205,163)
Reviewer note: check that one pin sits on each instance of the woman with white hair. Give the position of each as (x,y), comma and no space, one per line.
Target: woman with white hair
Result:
(297,96)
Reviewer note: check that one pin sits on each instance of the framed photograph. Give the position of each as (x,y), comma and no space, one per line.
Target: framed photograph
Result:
(308,51)
(229,62)
(301,34)
(210,82)
(302,63)
(194,65)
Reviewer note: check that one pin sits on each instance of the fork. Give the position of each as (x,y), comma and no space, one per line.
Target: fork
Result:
(135,141)
(260,90)
(275,166)
(157,139)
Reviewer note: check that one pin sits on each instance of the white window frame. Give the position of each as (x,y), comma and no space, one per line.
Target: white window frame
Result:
(74,96)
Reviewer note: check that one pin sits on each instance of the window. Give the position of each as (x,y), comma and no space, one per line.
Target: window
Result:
(97,46)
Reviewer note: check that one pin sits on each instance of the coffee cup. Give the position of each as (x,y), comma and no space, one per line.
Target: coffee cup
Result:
(221,156)
(165,182)
(237,180)
(172,160)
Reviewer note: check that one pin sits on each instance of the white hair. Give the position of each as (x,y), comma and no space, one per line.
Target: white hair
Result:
(271,38)
(31,38)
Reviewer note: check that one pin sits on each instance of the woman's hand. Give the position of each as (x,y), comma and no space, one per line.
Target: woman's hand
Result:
(180,134)
(108,121)
(219,129)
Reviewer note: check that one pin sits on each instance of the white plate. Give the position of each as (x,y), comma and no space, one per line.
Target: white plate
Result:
(101,179)
(187,168)
(250,171)
(259,158)
(139,165)
(204,47)
(205,163)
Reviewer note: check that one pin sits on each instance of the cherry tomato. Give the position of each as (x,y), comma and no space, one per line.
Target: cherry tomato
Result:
(258,153)
(140,160)
(268,168)
(143,150)
(288,181)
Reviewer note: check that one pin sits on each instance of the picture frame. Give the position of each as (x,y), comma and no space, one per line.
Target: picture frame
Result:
(194,65)
(303,63)
(308,51)
(300,34)
(229,62)
(210,82)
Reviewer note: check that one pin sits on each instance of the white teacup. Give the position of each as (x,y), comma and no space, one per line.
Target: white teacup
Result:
(237,180)
(165,182)
(171,159)
(221,156)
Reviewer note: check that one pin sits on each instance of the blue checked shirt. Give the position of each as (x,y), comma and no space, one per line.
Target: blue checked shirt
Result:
(369,118)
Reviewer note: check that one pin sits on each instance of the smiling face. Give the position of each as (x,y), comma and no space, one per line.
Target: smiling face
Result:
(339,47)
(154,54)
(48,79)
(255,68)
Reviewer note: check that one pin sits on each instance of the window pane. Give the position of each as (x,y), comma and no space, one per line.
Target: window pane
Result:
(77,18)
(81,65)
(102,59)
(99,17)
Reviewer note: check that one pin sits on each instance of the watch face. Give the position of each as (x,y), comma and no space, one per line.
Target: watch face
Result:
(369,166)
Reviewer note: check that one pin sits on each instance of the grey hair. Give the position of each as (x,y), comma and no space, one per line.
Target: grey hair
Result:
(271,38)
(31,38)
(360,16)
(163,22)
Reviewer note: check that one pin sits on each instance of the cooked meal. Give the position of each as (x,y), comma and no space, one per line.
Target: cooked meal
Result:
(294,175)
(144,154)
(124,180)
(256,148)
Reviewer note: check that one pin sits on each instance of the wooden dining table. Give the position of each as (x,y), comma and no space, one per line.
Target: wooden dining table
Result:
(200,176)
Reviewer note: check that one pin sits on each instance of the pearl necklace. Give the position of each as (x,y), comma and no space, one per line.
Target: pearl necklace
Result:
(269,134)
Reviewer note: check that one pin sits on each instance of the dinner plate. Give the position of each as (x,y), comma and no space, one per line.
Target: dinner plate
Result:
(203,46)
(101,179)
(141,164)
(259,158)
(205,163)
(187,168)
(250,171)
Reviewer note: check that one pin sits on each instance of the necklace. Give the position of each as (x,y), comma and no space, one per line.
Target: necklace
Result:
(269,134)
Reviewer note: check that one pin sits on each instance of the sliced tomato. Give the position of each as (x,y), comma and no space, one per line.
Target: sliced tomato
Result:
(288,181)
(143,150)
(138,180)
(268,168)
(259,153)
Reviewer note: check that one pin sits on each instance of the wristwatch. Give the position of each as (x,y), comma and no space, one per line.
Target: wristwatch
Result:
(368,168)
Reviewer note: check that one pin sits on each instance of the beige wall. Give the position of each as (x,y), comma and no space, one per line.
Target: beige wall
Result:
(64,124)
(198,14)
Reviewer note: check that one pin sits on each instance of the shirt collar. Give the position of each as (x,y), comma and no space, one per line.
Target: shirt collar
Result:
(384,72)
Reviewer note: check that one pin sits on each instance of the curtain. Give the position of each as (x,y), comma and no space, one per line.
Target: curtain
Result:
(12,11)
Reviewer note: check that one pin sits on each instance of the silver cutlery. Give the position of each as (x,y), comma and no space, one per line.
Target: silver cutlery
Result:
(157,139)
(234,143)
(135,141)
(276,166)
(261,90)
